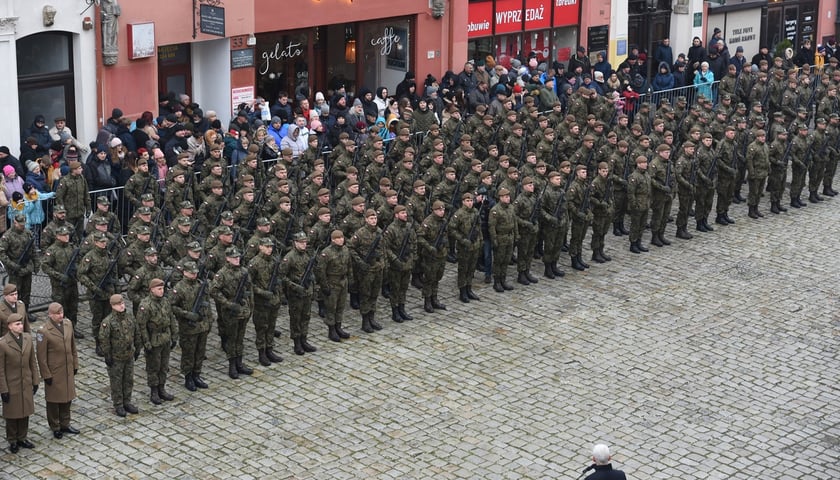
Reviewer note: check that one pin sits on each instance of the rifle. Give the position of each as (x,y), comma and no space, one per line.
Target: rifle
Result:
(373,246)
(440,235)
(274,280)
(404,246)
(626,174)
(240,288)
(106,279)
(23,258)
(188,186)
(252,218)
(584,205)
(456,138)
(199,298)
(70,269)
(668,174)
(474,227)
(536,210)
(787,153)
(713,168)
(692,177)
(307,272)
(290,224)
(155,241)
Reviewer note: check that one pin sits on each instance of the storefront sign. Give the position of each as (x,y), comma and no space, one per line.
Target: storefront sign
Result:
(394,47)
(212,20)
(389,41)
(537,17)
(280,52)
(480,18)
(241,95)
(508,16)
(566,12)
(598,39)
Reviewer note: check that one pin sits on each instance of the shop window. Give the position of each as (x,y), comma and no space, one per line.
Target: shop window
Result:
(282,63)
(508,47)
(386,53)
(565,43)
(45,78)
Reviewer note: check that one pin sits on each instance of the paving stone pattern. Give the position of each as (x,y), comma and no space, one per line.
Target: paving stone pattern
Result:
(709,359)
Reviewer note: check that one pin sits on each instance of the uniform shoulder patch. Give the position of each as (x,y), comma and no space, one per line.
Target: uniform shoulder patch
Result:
(39,337)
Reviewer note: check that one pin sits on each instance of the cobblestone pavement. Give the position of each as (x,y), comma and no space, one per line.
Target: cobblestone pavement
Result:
(710,359)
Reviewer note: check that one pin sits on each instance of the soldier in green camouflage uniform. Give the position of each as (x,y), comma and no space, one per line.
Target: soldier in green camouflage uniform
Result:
(602,211)
(662,193)
(332,272)
(120,339)
(528,227)
(369,263)
(138,286)
(189,299)
(798,157)
(159,333)
(704,194)
(72,192)
(685,191)
(49,232)
(103,206)
(400,247)
(19,256)
(63,283)
(580,216)
(778,171)
(465,228)
(816,169)
(638,203)
(232,290)
(503,233)
(297,269)
(264,270)
(727,170)
(100,283)
(552,215)
(758,166)
(431,252)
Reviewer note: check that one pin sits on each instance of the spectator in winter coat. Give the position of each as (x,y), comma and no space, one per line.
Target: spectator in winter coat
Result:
(738,60)
(679,74)
(703,80)
(664,79)
(696,55)
(581,59)
(294,141)
(805,56)
(381,101)
(602,65)
(38,130)
(663,52)
(402,87)
(763,54)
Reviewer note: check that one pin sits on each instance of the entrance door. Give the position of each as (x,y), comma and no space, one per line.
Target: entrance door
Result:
(174,69)
(646,27)
(45,78)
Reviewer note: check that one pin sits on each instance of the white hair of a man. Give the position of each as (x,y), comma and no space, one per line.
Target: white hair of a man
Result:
(601,454)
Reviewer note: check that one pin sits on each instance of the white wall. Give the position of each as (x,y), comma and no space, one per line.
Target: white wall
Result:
(618,31)
(211,76)
(741,28)
(683,30)
(30,21)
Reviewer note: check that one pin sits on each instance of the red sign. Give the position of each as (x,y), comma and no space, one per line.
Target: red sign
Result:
(508,16)
(537,17)
(566,12)
(480,21)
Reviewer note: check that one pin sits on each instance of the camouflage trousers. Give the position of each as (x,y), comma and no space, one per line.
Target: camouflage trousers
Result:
(193,352)
(157,365)
(121,376)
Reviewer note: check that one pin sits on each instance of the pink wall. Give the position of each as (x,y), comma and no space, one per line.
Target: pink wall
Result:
(132,84)
(825,23)
(592,15)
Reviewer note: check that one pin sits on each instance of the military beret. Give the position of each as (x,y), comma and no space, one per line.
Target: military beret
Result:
(318,161)
(59,208)
(357,201)
(351,169)
(155,282)
(548,131)
(14,318)
(641,159)
(399,209)
(284,200)
(466,137)
(504,158)
(351,183)
(492,147)
(287,151)
(96,221)
(419,183)
(186,204)
(449,170)
(284,182)
(385,182)
(438,205)
(588,138)
(390,193)
(484,175)
(324,211)
(527,181)
(729,128)
(503,191)
(636,126)
(55,307)
(404,131)
(370,213)
(233,252)
(216,184)
(565,164)
(177,172)
(612,134)
(517,126)
(115,299)
(688,144)
(706,135)
(467,148)
(512,170)
(663,147)
(245,190)
(336,234)
(9,289)
(762,133)
(74,165)
(644,138)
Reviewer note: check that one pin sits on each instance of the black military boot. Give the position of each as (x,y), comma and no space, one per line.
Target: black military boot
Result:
(505,283)
(119,410)
(794,202)
(683,234)
(307,347)
(654,238)
(720,220)
(366,324)
(596,256)
(403,314)
(373,323)
(634,248)
(812,197)
(530,277)
(199,382)
(605,256)
(164,395)
(576,264)
(520,279)
(580,260)
(616,230)
(549,272)
(132,409)
(828,191)
(707,226)
(700,228)
(189,382)
(497,286)
(427,305)
(272,357)
(262,358)
(298,347)
(386,290)
(780,207)
(641,247)
(758,212)
(738,198)
(664,240)
(154,397)
(321,311)
(354,301)
(471,295)
(331,334)
(241,367)
(395,315)
(416,282)
(232,373)
(752,212)
(557,272)
(818,197)
(462,295)
(726,217)
(340,331)
(774,208)
(436,304)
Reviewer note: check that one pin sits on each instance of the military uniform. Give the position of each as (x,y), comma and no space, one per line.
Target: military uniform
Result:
(662,194)
(369,263)
(232,290)
(58,362)
(72,192)
(121,344)
(602,215)
(684,169)
(431,252)
(638,203)
(97,276)
(525,206)
(333,272)
(798,157)
(17,252)
(193,326)
(18,379)
(264,271)
(400,247)
(552,217)
(727,170)
(297,271)
(63,284)
(158,331)
(758,166)
(465,228)
(503,233)
(580,216)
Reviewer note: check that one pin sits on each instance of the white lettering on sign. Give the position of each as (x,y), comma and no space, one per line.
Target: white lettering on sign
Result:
(387,41)
(534,14)
(478,26)
(564,3)
(508,16)
(290,51)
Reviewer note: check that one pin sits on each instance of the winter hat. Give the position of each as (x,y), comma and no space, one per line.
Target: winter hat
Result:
(8,170)
(599,76)
(115,142)
(357,102)
(515,64)
(319,97)
(430,90)
(31,166)
(5,149)
(116,113)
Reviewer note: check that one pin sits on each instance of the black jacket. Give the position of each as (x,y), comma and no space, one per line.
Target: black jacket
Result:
(606,472)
